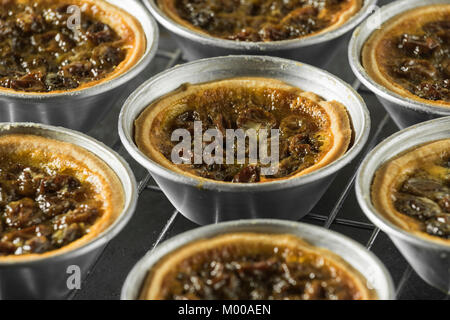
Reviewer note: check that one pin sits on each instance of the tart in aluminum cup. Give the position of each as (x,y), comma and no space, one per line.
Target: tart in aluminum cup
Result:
(211,201)
(83,109)
(316,50)
(47,278)
(378,278)
(404,111)
(431,260)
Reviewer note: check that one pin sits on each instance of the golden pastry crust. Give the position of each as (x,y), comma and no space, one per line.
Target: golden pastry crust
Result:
(125,25)
(249,243)
(389,177)
(86,166)
(375,51)
(149,125)
(348,10)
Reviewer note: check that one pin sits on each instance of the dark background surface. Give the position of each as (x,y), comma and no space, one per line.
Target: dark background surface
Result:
(156,220)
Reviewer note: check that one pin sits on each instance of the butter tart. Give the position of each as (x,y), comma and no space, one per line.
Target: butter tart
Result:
(413,191)
(43,52)
(260,20)
(410,55)
(312,132)
(251,266)
(54,197)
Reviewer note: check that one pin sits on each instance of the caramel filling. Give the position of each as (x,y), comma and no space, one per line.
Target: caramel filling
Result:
(261,20)
(40,53)
(303,126)
(254,270)
(419,59)
(425,196)
(42,208)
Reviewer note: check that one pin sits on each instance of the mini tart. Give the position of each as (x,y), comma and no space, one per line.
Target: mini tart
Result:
(67,158)
(378,52)
(268,254)
(257,26)
(127,28)
(392,175)
(326,123)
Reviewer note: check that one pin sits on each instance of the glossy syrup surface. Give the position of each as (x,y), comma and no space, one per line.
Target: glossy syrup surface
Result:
(425,196)
(40,53)
(266,273)
(302,123)
(419,61)
(260,20)
(42,209)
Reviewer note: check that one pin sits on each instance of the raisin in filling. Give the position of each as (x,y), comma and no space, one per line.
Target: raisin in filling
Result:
(303,138)
(420,61)
(42,210)
(39,53)
(272,273)
(260,20)
(426,198)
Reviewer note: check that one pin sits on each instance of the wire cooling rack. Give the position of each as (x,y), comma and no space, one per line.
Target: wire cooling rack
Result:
(156,220)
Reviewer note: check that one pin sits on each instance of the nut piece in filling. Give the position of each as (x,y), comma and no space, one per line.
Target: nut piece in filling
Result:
(413,191)
(312,132)
(410,54)
(54,196)
(40,53)
(250,266)
(261,20)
